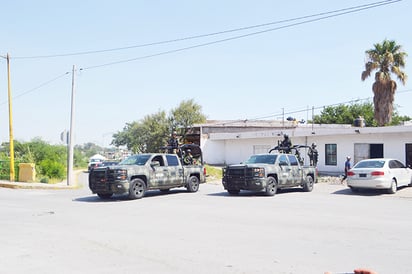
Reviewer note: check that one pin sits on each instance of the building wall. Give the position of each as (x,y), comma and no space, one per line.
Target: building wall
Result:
(234,148)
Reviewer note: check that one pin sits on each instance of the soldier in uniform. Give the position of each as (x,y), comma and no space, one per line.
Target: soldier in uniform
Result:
(313,155)
(188,159)
(173,143)
(286,144)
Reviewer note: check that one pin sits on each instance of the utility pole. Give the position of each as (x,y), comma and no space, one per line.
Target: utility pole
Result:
(11,142)
(71,134)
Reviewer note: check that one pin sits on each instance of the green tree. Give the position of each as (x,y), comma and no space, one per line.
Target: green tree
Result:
(142,136)
(346,114)
(387,58)
(185,116)
(152,132)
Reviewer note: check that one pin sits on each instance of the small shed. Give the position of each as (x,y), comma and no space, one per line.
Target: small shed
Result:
(97,157)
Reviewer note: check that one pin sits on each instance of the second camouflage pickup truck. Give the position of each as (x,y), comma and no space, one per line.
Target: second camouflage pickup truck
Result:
(268,172)
(139,173)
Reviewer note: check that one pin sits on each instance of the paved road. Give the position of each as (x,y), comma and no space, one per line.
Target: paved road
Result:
(329,229)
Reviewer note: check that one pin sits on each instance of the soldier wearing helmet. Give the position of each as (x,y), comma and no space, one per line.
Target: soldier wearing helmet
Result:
(286,144)
(173,143)
(188,158)
(313,155)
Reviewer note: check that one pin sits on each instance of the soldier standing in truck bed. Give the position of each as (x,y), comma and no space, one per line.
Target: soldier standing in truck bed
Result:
(286,144)
(173,143)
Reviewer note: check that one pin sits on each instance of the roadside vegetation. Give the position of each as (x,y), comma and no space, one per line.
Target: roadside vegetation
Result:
(347,114)
(213,173)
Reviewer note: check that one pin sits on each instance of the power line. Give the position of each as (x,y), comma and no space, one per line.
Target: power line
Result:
(354,9)
(329,14)
(383,3)
(37,87)
(303,110)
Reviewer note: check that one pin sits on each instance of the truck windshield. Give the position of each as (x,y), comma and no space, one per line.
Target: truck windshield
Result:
(139,160)
(261,159)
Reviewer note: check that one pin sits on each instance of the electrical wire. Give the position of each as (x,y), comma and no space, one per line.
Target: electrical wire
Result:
(329,14)
(355,8)
(38,87)
(301,111)
(236,37)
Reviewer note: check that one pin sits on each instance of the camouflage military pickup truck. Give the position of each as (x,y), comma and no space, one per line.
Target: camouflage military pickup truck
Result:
(268,173)
(152,171)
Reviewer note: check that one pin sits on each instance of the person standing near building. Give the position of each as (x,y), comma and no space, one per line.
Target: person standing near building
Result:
(347,167)
(313,155)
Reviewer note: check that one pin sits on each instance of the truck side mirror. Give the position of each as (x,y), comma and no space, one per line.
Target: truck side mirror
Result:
(155,163)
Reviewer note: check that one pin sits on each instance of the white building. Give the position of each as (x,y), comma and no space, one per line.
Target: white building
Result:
(230,142)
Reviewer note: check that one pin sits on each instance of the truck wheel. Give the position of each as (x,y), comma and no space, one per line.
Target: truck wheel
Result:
(233,191)
(137,189)
(105,195)
(193,184)
(308,185)
(271,187)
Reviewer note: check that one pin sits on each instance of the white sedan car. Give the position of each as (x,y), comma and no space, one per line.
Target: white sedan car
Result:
(381,173)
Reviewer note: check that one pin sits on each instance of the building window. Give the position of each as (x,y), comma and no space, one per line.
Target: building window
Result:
(330,154)
(257,149)
(367,151)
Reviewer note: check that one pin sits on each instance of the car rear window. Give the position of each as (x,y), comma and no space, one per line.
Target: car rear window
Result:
(370,164)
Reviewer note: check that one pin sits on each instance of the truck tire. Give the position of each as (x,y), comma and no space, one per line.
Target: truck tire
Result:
(105,195)
(271,187)
(137,189)
(308,185)
(233,191)
(193,184)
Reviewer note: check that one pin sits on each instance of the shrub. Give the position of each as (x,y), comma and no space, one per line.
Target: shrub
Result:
(52,169)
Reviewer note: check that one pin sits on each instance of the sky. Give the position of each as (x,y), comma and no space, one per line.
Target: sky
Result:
(237,59)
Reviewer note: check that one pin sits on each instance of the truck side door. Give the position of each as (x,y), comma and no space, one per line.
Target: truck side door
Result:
(285,176)
(159,174)
(295,169)
(175,170)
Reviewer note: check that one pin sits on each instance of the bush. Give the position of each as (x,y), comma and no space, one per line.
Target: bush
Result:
(52,169)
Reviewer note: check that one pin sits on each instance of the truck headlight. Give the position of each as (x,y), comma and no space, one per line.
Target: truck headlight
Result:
(121,174)
(259,172)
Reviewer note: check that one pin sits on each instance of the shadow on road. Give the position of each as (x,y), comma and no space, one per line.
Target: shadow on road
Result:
(124,197)
(364,192)
(246,193)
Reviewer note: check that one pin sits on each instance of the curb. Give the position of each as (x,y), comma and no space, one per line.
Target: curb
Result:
(21,185)
(28,185)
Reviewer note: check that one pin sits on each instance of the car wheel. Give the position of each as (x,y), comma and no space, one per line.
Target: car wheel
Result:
(308,185)
(271,187)
(393,188)
(233,191)
(193,184)
(137,189)
(105,195)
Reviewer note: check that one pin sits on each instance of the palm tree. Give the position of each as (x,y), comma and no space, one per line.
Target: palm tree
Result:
(386,58)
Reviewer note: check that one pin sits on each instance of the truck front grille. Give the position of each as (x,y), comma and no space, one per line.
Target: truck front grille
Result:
(239,173)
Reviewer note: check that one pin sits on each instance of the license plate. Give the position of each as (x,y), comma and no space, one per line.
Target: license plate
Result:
(362,175)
